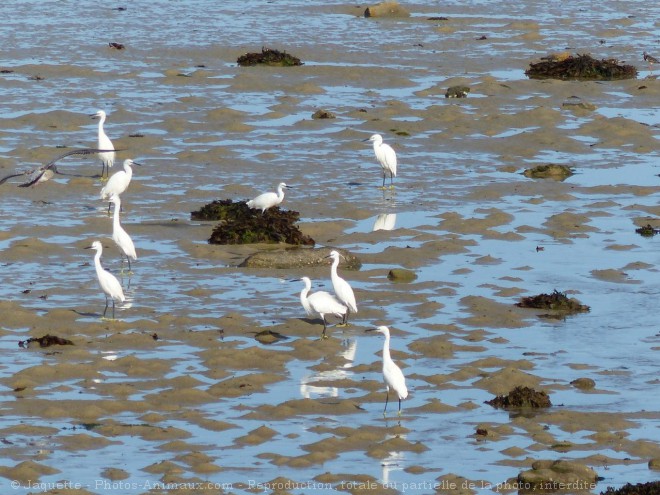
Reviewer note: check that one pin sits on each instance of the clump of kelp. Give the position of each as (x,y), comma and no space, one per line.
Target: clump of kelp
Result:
(647,230)
(268,56)
(649,488)
(521,397)
(45,341)
(580,67)
(239,224)
(556,301)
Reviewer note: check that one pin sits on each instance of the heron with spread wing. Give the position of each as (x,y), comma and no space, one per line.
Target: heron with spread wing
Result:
(46,172)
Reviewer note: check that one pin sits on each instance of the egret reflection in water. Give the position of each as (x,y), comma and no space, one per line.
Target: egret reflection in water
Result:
(385,221)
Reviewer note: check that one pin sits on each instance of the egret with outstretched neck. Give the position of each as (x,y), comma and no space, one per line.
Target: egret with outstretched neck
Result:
(319,304)
(385,156)
(269,199)
(392,374)
(343,290)
(108,282)
(104,143)
(120,236)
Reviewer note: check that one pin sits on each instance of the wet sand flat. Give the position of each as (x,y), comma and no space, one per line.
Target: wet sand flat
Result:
(178,394)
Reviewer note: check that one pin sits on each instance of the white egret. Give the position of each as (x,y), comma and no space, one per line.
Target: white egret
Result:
(392,374)
(104,143)
(342,289)
(319,304)
(108,282)
(385,156)
(269,199)
(118,183)
(119,235)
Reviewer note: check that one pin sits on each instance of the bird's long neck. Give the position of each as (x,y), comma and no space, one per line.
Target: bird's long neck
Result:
(303,299)
(115,217)
(97,261)
(280,194)
(386,349)
(101,121)
(333,269)
(128,170)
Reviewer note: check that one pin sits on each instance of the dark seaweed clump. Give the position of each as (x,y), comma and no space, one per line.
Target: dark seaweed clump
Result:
(581,67)
(521,397)
(647,231)
(650,488)
(45,341)
(555,301)
(240,224)
(268,56)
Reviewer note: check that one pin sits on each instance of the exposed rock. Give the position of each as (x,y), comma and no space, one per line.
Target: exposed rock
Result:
(580,67)
(549,171)
(268,56)
(299,258)
(386,9)
(575,102)
(583,383)
(323,114)
(565,476)
(457,92)
(401,275)
(521,397)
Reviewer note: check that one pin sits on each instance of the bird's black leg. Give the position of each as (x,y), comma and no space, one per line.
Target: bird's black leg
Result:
(399,406)
(387,398)
(383,180)
(113,309)
(106,306)
(109,208)
(129,263)
(325,325)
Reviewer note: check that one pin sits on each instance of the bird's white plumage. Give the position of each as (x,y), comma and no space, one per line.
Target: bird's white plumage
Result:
(392,374)
(269,199)
(118,183)
(108,282)
(119,235)
(319,304)
(343,290)
(385,156)
(104,143)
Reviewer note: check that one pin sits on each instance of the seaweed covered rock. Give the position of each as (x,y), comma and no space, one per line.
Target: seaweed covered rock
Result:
(268,56)
(240,224)
(549,171)
(580,67)
(650,488)
(521,397)
(45,341)
(557,301)
(647,230)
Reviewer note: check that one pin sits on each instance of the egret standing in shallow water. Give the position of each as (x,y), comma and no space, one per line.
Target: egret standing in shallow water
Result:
(319,304)
(104,143)
(120,236)
(392,374)
(342,289)
(118,183)
(269,199)
(385,156)
(108,282)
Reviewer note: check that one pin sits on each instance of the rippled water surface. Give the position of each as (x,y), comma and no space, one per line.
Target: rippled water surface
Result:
(178,71)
